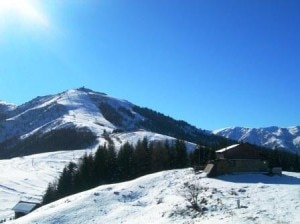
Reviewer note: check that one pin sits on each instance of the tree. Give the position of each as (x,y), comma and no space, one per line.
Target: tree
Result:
(296,163)
(160,157)
(111,164)
(85,179)
(126,162)
(100,165)
(50,194)
(142,158)
(274,158)
(196,157)
(66,185)
(181,155)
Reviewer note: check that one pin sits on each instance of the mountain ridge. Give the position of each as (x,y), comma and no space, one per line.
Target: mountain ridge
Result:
(273,137)
(77,118)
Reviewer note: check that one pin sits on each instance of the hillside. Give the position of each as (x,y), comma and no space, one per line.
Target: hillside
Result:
(26,178)
(270,137)
(161,198)
(77,119)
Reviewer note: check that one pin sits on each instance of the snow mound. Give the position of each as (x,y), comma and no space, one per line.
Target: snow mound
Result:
(159,198)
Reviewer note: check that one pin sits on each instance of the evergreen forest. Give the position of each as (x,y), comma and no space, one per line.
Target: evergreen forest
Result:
(108,166)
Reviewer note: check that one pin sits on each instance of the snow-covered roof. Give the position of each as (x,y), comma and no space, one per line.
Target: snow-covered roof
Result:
(227,148)
(24,207)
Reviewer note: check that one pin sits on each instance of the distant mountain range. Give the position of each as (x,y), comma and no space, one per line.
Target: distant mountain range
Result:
(270,137)
(81,118)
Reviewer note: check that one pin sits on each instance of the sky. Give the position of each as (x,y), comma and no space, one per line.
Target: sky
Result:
(214,64)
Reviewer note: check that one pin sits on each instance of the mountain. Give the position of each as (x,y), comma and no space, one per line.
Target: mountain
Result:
(80,118)
(5,108)
(270,137)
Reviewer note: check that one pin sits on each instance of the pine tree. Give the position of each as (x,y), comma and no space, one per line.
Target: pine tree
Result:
(126,162)
(85,179)
(172,155)
(196,156)
(142,157)
(66,185)
(50,194)
(181,155)
(100,165)
(111,164)
(160,157)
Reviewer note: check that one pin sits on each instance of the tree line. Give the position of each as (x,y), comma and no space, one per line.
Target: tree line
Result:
(107,166)
(281,158)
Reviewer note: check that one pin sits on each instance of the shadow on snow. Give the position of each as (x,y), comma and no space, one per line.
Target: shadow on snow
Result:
(261,178)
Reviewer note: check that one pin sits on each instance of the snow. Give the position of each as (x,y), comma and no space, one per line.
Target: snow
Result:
(297,141)
(133,137)
(155,198)
(74,109)
(43,114)
(83,112)
(26,178)
(294,130)
(4,106)
(270,137)
(159,198)
(227,148)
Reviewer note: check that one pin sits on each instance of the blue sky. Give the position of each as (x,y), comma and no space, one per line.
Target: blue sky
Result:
(212,63)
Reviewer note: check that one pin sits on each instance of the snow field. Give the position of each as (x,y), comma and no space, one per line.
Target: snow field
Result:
(26,178)
(159,198)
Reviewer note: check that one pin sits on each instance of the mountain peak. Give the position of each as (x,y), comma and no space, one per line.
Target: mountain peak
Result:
(59,121)
(87,90)
(5,107)
(270,137)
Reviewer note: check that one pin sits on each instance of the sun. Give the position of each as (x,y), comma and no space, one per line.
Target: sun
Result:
(22,11)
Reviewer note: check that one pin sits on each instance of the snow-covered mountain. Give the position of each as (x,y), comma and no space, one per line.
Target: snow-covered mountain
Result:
(270,137)
(81,119)
(5,108)
(77,119)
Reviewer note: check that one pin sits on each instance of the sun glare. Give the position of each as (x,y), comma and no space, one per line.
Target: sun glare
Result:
(22,11)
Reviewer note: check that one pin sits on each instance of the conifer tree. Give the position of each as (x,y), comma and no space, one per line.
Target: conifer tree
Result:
(100,165)
(65,185)
(160,157)
(181,155)
(142,157)
(84,178)
(111,164)
(126,162)
(50,194)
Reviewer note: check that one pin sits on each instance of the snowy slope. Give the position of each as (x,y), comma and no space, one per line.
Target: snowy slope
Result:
(159,198)
(270,137)
(44,114)
(26,178)
(132,138)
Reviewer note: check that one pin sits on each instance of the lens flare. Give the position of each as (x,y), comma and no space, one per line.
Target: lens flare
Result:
(22,11)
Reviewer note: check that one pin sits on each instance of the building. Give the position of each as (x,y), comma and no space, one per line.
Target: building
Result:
(235,159)
(23,208)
